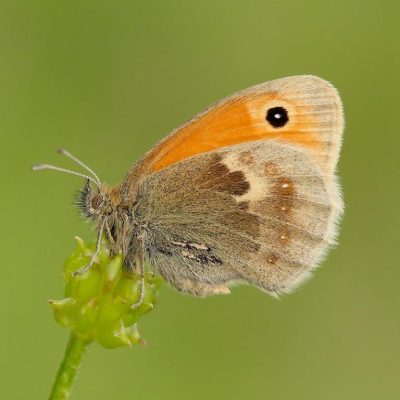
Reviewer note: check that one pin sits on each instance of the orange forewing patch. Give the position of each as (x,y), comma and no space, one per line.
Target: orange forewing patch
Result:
(231,122)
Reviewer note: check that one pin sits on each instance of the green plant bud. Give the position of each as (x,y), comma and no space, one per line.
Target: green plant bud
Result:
(99,303)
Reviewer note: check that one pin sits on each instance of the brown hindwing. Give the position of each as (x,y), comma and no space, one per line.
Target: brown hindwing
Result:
(259,212)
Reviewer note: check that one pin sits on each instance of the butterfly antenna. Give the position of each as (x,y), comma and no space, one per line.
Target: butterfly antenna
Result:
(79,162)
(54,168)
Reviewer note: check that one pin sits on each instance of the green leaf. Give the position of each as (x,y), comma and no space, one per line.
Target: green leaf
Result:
(99,303)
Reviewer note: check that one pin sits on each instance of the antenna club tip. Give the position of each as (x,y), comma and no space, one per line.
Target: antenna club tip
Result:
(36,167)
(60,150)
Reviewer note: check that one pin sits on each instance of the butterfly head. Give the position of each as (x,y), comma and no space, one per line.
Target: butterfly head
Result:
(91,204)
(98,203)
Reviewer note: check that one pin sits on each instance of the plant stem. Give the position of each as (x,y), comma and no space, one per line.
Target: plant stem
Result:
(68,368)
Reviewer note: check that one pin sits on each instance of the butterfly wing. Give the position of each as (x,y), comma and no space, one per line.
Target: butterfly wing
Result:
(314,122)
(260,212)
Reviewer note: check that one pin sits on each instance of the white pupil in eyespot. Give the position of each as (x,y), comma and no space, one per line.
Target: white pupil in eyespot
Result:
(277,116)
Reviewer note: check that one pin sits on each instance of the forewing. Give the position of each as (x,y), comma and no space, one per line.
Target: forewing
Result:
(315,123)
(259,212)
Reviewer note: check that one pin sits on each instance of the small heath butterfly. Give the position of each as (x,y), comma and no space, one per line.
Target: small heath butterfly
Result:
(246,192)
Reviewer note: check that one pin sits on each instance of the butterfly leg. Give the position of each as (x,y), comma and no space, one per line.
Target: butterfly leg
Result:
(139,263)
(96,252)
(110,236)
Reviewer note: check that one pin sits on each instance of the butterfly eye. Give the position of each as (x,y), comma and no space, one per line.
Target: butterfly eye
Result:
(96,201)
(277,117)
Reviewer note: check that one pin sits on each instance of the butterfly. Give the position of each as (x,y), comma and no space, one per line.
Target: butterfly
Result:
(245,192)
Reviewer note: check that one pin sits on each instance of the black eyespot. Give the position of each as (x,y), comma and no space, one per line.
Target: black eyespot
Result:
(277,117)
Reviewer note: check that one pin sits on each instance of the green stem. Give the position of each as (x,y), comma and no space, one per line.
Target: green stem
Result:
(68,368)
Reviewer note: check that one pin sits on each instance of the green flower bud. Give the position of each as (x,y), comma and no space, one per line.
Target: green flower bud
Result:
(98,303)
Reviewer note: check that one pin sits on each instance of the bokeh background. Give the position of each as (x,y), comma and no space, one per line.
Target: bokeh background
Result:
(107,80)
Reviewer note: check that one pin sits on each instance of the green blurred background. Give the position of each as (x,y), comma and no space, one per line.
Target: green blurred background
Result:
(107,80)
